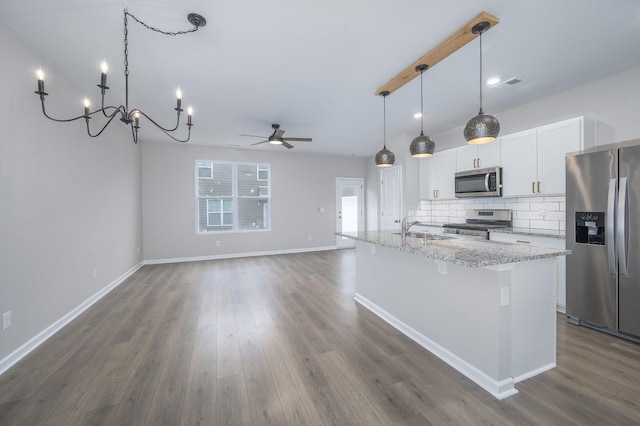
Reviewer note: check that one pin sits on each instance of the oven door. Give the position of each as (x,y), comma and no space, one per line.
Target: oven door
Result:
(479,183)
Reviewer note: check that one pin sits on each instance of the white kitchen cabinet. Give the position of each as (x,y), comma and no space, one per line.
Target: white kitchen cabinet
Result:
(533,161)
(470,157)
(519,164)
(541,241)
(437,176)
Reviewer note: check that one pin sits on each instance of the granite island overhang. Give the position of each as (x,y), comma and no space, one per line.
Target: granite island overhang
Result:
(486,308)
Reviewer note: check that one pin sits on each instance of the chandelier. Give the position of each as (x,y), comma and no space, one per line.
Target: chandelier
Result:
(128,116)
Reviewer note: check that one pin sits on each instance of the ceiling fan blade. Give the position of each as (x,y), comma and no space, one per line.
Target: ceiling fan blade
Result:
(278,133)
(252,136)
(258,143)
(287,145)
(297,139)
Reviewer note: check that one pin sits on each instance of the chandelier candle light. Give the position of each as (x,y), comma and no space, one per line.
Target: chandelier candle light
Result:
(128,116)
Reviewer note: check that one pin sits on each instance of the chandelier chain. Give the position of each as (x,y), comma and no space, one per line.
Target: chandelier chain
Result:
(171,33)
(126,44)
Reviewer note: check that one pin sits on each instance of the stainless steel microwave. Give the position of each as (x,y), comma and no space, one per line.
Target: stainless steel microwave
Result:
(479,183)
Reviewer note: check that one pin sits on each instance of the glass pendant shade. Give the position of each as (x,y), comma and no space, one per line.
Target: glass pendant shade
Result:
(384,157)
(422,146)
(482,128)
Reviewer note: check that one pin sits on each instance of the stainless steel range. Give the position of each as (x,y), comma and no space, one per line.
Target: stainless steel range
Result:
(480,222)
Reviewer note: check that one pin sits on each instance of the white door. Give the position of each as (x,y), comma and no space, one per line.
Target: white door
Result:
(349,209)
(391,198)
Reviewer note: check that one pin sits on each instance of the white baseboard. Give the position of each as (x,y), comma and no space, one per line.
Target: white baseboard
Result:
(561,308)
(237,255)
(8,361)
(499,389)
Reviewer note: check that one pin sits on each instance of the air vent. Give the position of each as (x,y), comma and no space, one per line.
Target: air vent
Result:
(511,82)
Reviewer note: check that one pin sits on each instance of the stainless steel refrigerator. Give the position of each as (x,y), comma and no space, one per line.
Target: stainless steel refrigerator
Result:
(603,233)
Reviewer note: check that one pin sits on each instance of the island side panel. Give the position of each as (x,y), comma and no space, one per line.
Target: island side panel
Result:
(456,307)
(533,296)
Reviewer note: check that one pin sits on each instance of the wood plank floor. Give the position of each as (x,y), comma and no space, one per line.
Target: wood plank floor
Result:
(279,340)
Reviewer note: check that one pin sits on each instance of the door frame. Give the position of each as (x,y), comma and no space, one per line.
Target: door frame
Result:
(383,200)
(348,242)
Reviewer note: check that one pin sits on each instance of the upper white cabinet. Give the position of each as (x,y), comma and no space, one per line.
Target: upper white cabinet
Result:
(478,156)
(533,161)
(436,176)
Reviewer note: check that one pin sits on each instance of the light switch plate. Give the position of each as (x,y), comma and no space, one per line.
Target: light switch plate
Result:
(6,320)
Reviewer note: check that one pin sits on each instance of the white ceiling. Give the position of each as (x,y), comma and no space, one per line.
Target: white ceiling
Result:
(313,66)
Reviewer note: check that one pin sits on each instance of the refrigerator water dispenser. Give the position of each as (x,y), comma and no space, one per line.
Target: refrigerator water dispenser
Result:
(590,228)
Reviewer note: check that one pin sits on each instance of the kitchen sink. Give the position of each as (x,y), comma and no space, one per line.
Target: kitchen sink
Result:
(425,236)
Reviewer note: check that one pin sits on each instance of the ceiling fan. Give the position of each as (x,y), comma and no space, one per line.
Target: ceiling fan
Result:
(277,139)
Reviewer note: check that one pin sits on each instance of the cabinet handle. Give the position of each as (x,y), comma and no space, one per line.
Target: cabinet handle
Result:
(434,193)
(478,163)
(475,160)
(533,187)
(538,187)
(522,241)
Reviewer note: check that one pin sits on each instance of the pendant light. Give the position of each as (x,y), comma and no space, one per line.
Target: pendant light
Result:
(384,157)
(422,146)
(482,128)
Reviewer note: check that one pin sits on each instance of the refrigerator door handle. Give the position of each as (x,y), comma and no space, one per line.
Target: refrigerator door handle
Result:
(621,230)
(611,211)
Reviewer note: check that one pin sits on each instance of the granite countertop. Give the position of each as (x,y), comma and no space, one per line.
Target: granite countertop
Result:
(550,233)
(460,251)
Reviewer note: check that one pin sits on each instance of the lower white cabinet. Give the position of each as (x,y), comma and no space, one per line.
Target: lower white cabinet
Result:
(536,240)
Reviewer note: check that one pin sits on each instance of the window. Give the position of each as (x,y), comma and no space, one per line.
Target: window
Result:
(232,196)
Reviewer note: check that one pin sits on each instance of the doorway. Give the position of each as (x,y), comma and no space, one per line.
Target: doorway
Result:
(349,209)
(391,198)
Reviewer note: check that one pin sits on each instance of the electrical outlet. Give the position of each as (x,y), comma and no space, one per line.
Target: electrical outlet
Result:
(310,237)
(504,296)
(6,320)
(95,273)
(217,243)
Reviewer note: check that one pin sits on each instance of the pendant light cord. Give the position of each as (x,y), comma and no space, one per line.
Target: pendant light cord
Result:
(481,112)
(384,120)
(421,106)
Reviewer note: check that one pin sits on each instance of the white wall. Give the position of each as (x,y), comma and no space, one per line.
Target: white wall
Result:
(613,103)
(68,203)
(300,185)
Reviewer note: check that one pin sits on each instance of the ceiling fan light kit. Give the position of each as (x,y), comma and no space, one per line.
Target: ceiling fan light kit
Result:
(422,146)
(128,116)
(384,157)
(482,128)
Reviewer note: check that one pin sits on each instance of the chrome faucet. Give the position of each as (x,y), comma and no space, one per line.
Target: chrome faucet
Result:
(406,226)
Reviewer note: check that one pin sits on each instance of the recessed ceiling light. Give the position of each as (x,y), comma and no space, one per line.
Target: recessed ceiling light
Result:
(493,81)
(417,115)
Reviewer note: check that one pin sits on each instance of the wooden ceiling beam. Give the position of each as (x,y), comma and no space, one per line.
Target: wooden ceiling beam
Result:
(451,44)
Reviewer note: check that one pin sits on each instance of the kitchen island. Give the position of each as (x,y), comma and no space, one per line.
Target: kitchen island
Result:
(486,308)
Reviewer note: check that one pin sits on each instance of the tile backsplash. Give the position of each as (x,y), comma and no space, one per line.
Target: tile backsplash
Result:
(528,212)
